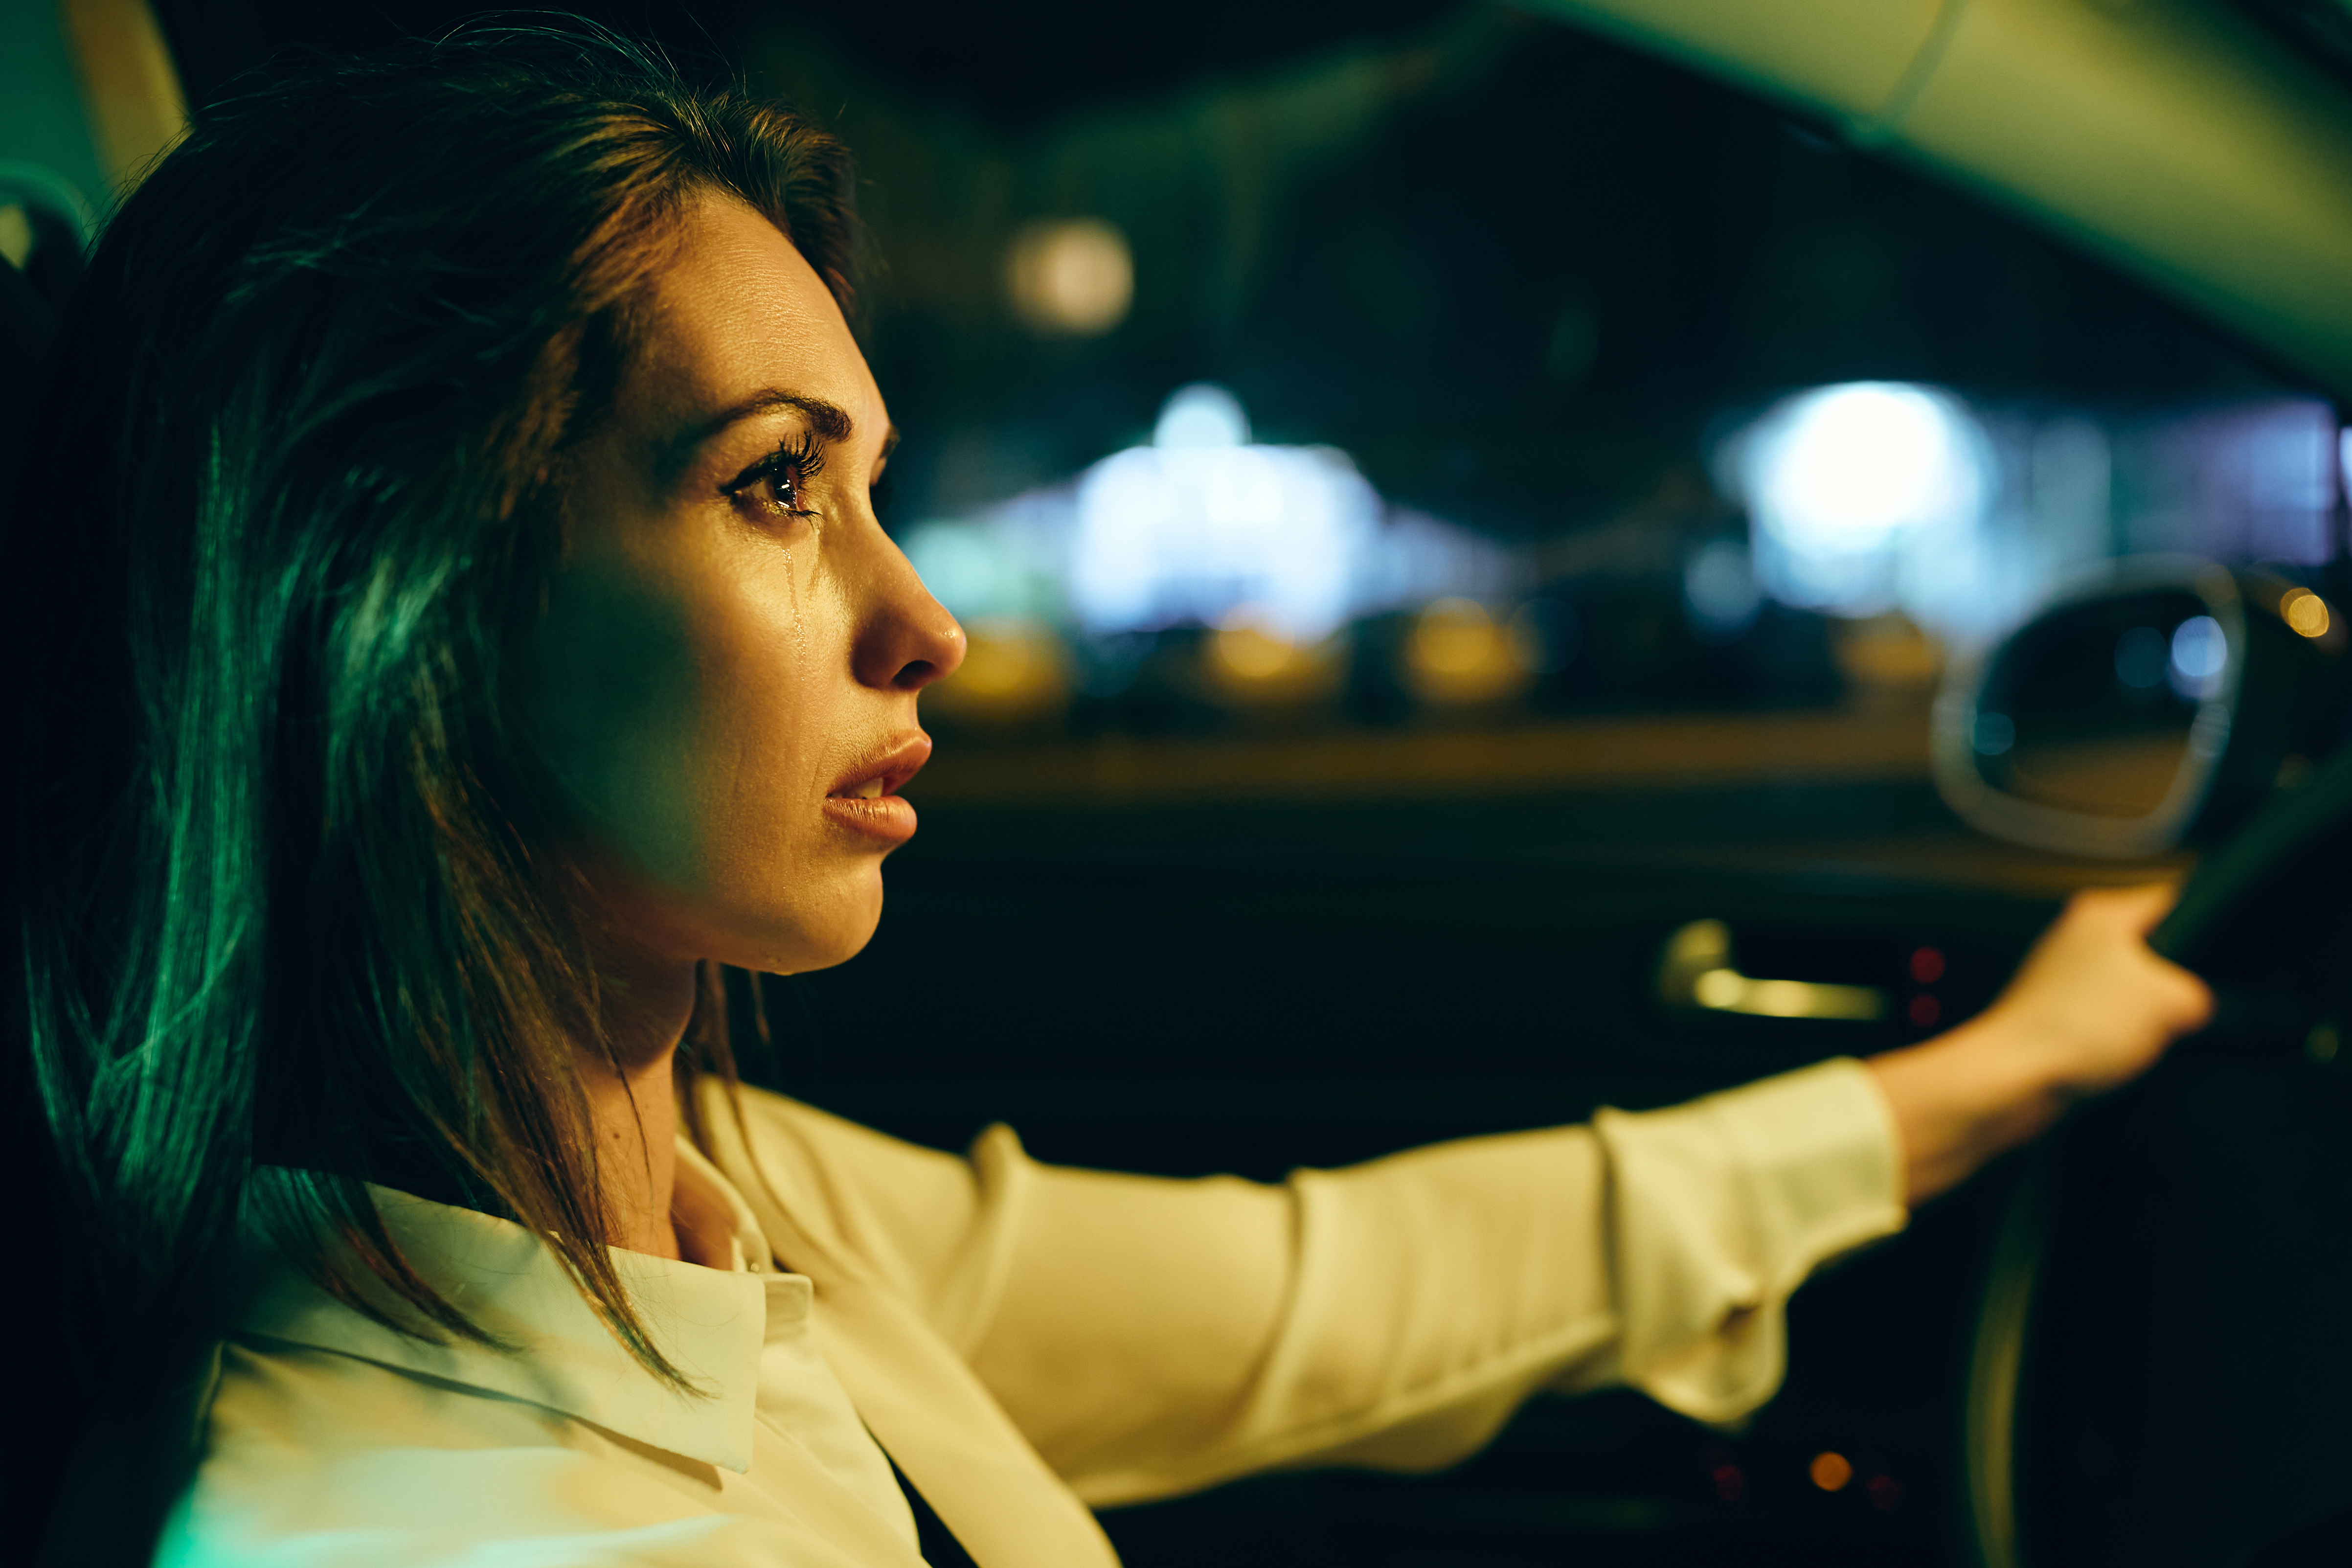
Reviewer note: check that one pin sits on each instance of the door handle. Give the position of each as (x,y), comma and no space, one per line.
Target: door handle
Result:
(1697,971)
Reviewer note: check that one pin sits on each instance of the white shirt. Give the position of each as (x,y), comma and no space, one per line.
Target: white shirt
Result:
(1026,1340)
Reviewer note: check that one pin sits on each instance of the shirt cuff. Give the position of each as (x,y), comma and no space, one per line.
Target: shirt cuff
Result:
(1718,1211)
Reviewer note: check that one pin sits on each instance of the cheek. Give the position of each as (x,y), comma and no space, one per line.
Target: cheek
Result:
(611,688)
(775,703)
(693,724)
(761,724)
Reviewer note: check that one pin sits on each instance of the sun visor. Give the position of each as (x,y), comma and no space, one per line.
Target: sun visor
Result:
(2177,141)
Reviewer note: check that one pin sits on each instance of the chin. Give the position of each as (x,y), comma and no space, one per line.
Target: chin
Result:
(806,938)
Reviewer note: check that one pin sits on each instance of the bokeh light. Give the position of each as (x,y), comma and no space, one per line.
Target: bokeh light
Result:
(1014,671)
(1456,655)
(1839,480)
(1253,663)
(1185,530)
(1072,278)
(2200,656)
(1720,589)
(1848,469)
(2306,612)
(1179,535)
(1200,415)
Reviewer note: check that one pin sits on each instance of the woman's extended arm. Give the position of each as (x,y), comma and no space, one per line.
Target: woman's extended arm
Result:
(2091,1009)
(1149,1337)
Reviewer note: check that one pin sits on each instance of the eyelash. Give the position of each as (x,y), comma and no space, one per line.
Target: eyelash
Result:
(795,465)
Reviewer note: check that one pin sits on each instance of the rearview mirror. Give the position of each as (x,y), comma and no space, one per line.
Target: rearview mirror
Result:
(2154,706)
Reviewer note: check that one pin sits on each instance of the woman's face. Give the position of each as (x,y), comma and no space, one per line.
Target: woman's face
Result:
(726,678)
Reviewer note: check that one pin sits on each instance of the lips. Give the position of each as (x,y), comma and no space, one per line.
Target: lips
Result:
(866,800)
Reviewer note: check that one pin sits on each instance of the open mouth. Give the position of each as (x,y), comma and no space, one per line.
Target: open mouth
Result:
(866,797)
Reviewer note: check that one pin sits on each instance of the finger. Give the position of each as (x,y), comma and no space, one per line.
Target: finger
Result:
(2135,908)
(2194,1008)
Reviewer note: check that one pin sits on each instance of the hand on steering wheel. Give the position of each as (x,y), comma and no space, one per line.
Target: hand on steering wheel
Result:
(2092,1008)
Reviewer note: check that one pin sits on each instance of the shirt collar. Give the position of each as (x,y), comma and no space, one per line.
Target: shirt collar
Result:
(709,1322)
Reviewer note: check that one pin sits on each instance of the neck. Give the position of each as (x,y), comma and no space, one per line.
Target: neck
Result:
(633,1108)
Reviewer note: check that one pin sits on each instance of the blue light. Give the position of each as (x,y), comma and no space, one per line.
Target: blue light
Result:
(1200,415)
(969,570)
(1196,527)
(1840,480)
(2201,652)
(1848,469)
(1720,586)
(1173,535)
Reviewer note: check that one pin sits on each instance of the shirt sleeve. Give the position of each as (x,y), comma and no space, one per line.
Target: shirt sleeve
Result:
(1151,1337)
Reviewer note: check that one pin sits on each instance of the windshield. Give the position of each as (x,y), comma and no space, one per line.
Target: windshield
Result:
(1459,375)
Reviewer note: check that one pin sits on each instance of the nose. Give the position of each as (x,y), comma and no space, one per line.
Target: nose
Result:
(908,640)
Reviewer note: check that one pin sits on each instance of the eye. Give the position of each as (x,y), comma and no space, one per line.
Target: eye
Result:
(778,483)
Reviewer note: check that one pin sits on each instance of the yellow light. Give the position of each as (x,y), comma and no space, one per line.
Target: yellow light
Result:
(1074,277)
(1011,670)
(1253,662)
(1251,653)
(2306,612)
(1831,1471)
(1456,654)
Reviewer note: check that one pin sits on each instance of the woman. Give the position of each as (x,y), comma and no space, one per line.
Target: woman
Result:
(462,632)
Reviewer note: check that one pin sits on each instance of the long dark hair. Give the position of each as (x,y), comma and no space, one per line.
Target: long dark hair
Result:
(288,903)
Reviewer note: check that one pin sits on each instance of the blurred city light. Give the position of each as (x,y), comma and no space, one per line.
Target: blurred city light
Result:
(1179,535)
(1074,278)
(1200,415)
(1456,655)
(1252,662)
(1014,670)
(1843,481)
(1719,587)
(972,571)
(1831,1471)
(1848,469)
(1188,530)
(2200,653)
(1914,522)
(2253,481)
(2305,613)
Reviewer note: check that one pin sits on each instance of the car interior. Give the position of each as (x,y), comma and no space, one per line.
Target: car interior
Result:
(1716,520)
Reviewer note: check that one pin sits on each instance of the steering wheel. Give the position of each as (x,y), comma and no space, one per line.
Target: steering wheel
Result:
(2162,1365)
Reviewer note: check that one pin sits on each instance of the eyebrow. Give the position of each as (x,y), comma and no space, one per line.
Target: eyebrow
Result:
(828,419)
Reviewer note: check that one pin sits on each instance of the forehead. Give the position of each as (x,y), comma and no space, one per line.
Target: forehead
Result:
(739,310)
